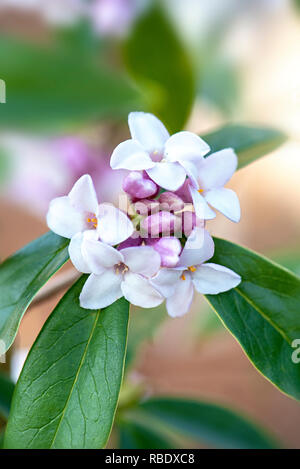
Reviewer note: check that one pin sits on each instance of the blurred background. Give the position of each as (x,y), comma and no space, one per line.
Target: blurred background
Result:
(73,70)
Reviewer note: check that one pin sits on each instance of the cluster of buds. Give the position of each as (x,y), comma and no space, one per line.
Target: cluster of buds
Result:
(158,248)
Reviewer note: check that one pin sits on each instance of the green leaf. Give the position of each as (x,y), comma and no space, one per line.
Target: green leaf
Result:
(158,62)
(22,275)
(250,143)
(68,390)
(53,87)
(138,436)
(271,289)
(6,392)
(203,422)
(262,313)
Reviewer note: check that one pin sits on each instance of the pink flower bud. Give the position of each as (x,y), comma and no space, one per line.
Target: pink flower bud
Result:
(138,186)
(163,223)
(146,207)
(171,202)
(184,193)
(189,221)
(133,241)
(169,250)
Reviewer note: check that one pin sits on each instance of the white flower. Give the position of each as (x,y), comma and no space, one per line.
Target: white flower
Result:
(79,211)
(177,284)
(167,160)
(115,273)
(208,188)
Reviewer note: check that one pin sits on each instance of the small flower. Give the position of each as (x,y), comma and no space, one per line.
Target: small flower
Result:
(214,172)
(79,211)
(167,160)
(177,284)
(115,273)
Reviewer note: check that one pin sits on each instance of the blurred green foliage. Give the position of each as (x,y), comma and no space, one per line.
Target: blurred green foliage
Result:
(156,59)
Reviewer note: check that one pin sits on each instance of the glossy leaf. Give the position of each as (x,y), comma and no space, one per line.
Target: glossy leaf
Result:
(203,422)
(53,87)
(138,436)
(68,390)
(22,275)
(6,392)
(158,62)
(250,143)
(261,313)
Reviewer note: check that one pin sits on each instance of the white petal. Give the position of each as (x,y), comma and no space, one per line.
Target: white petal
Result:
(114,226)
(99,255)
(130,155)
(138,291)
(83,195)
(170,176)
(180,303)
(211,279)
(198,248)
(166,281)
(185,146)
(226,201)
(203,211)
(148,130)
(142,260)
(192,171)
(216,169)
(63,219)
(76,256)
(100,291)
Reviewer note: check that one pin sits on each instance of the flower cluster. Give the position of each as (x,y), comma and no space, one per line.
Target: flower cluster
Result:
(157,249)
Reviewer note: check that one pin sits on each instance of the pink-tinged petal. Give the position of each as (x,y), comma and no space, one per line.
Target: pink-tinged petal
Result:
(190,221)
(83,195)
(203,211)
(198,248)
(149,131)
(102,290)
(184,192)
(165,282)
(138,291)
(142,260)
(169,249)
(211,279)
(216,169)
(63,219)
(226,201)
(138,186)
(114,225)
(180,302)
(130,155)
(170,202)
(170,176)
(99,255)
(147,207)
(76,256)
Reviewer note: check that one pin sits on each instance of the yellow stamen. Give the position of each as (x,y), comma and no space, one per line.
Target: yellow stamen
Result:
(200,190)
(182,277)
(192,268)
(89,220)
(94,220)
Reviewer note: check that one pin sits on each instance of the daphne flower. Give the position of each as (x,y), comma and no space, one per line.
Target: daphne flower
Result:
(167,160)
(115,273)
(177,285)
(214,172)
(79,211)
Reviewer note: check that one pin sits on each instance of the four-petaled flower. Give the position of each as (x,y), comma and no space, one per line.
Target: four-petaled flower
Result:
(115,273)
(177,284)
(167,160)
(79,211)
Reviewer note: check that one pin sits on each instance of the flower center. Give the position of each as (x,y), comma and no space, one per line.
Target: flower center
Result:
(121,268)
(156,156)
(192,268)
(92,221)
(200,190)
